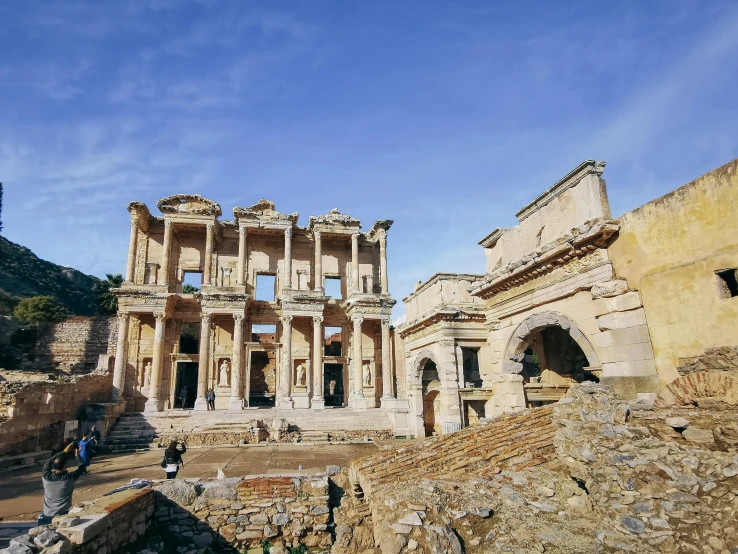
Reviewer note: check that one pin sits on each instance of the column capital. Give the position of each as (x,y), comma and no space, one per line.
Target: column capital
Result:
(288,232)
(287,319)
(242,229)
(355,236)
(317,319)
(210,226)
(124,316)
(206,318)
(317,235)
(238,318)
(358,319)
(168,223)
(385,323)
(160,316)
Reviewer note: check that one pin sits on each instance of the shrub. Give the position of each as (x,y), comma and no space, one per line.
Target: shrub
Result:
(40,309)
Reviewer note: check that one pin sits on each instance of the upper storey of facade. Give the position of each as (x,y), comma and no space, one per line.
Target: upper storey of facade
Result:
(261,253)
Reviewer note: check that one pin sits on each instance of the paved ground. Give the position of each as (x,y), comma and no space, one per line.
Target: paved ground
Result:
(21,492)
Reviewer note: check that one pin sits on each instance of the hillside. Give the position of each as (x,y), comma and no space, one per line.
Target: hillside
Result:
(23,274)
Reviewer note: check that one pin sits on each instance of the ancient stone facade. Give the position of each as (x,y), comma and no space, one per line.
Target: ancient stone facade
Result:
(255,332)
(76,344)
(562,301)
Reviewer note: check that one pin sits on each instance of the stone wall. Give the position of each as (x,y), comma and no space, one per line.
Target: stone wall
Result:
(35,412)
(76,344)
(724,358)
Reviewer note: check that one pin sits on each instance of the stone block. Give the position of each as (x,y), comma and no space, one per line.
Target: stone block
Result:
(622,320)
(627,353)
(89,527)
(635,368)
(620,337)
(622,303)
(179,491)
(609,288)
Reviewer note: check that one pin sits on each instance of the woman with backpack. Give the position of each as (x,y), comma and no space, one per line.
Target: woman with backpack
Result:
(173,459)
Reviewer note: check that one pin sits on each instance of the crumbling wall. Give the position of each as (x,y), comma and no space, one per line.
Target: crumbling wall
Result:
(723,358)
(75,345)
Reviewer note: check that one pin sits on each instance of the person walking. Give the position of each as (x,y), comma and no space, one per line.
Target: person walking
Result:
(210,397)
(173,459)
(84,451)
(183,397)
(95,436)
(58,484)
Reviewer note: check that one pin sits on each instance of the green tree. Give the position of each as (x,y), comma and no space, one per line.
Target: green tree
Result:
(189,289)
(40,309)
(107,302)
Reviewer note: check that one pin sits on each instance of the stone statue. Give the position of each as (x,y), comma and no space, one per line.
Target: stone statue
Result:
(300,376)
(147,374)
(367,375)
(332,387)
(224,368)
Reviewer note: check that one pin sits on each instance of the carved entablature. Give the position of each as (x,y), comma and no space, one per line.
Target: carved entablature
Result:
(140,215)
(264,215)
(414,329)
(379,229)
(369,305)
(188,204)
(578,243)
(304,308)
(145,301)
(334,222)
(226,303)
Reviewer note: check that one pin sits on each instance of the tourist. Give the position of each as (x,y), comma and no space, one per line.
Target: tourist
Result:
(58,485)
(183,396)
(84,451)
(95,436)
(210,397)
(173,459)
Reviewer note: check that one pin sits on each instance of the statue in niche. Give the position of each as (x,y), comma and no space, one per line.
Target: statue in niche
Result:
(332,387)
(301,375)
(367,375)
(224,369)
(147,375)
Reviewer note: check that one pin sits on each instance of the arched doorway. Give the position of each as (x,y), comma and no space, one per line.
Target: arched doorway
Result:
(551,353)
(431,389)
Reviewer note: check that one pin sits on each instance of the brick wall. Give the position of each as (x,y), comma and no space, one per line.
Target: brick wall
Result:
(74,345)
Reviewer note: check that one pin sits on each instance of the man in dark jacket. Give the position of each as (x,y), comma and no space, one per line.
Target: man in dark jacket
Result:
(58,484)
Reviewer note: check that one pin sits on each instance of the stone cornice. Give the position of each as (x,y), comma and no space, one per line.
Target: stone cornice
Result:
(264,215)
(447,312)
(588,167)
(575,244)
(443,277)
(378,229)
(490,240)
(334,222)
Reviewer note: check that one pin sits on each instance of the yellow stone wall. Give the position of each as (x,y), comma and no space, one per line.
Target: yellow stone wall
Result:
(669,249)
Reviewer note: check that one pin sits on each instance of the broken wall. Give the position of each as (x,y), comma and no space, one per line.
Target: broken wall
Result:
(75,344)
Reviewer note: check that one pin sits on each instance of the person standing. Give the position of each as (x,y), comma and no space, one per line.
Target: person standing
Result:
(84,451)
(173,459)
(58,485)
(183,397)
(210,397)
(95,437)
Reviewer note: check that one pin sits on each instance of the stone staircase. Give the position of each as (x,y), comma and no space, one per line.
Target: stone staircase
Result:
(132,432)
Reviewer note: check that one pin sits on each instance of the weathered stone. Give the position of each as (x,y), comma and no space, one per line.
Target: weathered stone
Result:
(281,519)
(270,531)
(632,524)
(179,491)
(411,518)
(47,538)
(695,434)
(609,288)
(677,422)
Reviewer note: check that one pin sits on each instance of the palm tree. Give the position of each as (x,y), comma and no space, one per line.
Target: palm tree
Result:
(107,302)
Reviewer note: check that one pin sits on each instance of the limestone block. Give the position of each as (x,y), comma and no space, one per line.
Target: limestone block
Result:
(89,527)
(180,491)
(636,368)
(622,320)
(627,353)
(622,303)
(609,288)
(620,337)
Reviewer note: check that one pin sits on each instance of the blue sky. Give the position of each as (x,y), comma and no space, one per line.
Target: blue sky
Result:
(444,116)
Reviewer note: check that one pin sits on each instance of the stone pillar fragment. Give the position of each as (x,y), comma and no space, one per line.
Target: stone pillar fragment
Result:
(153,403)
(236,404)
(355,262)
(242,256)
(318,402)
(203,367)
(318,279)
(383,262)
(287,258)
(131,266)
(121,357)
(285,401)
(387,381)
(207,271)
(358,360)
(164,278)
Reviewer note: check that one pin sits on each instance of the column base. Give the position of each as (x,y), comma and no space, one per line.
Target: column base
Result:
(236,405)
(285,403)
(301,402)
(201,404)
(358,403)
(153,405)
(393,404)
(318,403)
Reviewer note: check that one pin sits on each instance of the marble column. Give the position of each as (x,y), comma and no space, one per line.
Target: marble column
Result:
(355,262)
(287,258)
(387,381)
(318,279)
(285,401)
(247,379)
(242,256)
(131,267)
(358,361)
(207,271)
(164,279)
(153,404)
(236,404)
(203,367)
(121,357)
(383,261)
(318,402)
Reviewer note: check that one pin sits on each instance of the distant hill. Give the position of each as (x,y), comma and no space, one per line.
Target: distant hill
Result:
(24,274)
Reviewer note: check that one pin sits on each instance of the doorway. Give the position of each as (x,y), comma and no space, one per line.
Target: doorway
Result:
(186,377)
(333,384)
(431,399)
(262,386)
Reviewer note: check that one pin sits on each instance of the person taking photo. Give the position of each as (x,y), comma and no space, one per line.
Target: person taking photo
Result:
(58,484)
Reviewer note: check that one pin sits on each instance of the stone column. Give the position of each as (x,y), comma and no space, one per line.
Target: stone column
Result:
(355,262)
(207,271)
(242,253)
(287,258)
(247,393)
(285,401)
(387,381)
(318,402)
(131,267)
(121,357)
(236,404)
(358,360)
(203,367)
(164,280)
(153,404)
(318,262)
(383,261)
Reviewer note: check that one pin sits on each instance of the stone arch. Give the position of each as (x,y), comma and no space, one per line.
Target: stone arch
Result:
(515,352)
(686,390)
(419,364)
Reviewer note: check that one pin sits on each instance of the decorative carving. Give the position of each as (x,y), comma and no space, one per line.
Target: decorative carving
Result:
(160,317)
(287,320)
(288,232)
(193,204)
(263,212)
(334,218)
(317,320)
(239,318)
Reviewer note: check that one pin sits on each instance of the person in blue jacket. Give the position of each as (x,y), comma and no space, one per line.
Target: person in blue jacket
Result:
(84,451)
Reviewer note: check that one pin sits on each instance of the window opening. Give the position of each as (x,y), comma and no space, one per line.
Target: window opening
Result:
(265,287)
(264,333)
(191,281)
(728,282)
(333,341)
(333,287)
(189,338)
